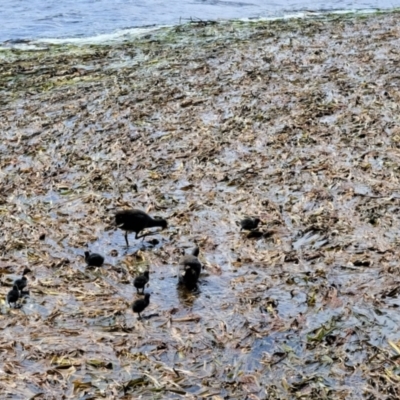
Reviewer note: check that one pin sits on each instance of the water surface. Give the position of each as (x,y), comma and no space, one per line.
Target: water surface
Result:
(33,19)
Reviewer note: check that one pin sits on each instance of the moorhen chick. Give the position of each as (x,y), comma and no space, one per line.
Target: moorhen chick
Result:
(135,221)
(192,261)
(22,282)
(139,305)
(141,281)
(93,259)
(249,223)
(189,278)
(13,296)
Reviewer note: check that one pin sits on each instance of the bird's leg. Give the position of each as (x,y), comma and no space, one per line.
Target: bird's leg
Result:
(139,316)
(126,238)
(144,234)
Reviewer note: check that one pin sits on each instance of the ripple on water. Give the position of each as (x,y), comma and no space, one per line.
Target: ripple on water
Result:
(103,20)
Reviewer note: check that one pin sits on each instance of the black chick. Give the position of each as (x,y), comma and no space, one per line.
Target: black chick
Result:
(141,280)
(22,282)
(189,278)
(192,261)
(94,259)
(139,305)
(136,221)
(249,223)
(13,296)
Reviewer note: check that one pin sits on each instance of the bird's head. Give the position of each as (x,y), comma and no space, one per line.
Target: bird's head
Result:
(161,222)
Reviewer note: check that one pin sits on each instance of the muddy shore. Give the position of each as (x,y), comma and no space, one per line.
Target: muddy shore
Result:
(296,121)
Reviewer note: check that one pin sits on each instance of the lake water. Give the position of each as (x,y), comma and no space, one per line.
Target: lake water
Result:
(34,19)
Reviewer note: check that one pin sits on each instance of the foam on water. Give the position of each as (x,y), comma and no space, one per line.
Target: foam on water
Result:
(117,36)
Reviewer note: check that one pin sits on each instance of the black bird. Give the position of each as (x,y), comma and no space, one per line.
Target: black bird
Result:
(139,305)
(192,261)
(94,259)
(248,223)
(22,282)
(136,221)
(141,280)
(189,278)
(13,296)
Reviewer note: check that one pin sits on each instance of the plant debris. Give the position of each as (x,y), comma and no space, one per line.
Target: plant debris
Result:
(295,121)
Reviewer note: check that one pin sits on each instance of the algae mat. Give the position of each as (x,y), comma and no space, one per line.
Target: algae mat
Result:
(295,121)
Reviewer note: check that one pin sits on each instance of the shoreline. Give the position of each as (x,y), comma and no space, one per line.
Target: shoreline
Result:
(131,33)
(295,121)
(172,36)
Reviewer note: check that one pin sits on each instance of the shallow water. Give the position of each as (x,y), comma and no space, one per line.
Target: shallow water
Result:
(24,20)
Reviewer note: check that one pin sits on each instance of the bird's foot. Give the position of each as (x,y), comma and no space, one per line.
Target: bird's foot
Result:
(151,316)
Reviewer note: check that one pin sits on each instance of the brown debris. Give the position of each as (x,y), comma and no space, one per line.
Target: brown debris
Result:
(295,121)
